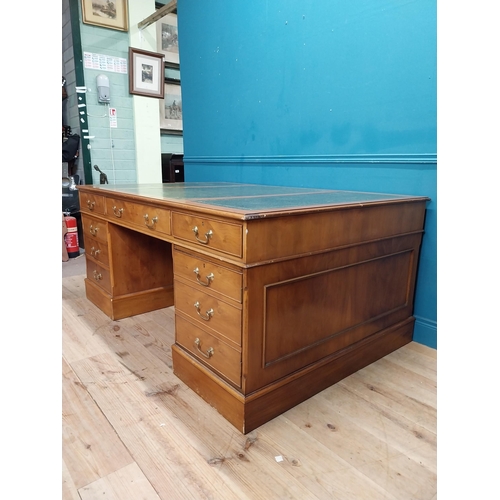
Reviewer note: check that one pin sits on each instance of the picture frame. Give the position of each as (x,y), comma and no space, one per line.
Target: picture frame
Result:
(167,38)
(172,73)
(113,15)
(171,108)
(146,73)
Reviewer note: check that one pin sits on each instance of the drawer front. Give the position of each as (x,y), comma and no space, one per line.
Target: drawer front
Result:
(99,275)
(146,217)
(92,203)
(225,237)
(208,312)
(98,251)
(94,229)
(216,354)
(207,276)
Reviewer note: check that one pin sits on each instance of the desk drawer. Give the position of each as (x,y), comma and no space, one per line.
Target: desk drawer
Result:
(216,354)
(98,251)
(99,275)
(207,276)
(92,203)
(208,312)
(94,229)
(210,233)
(146,217)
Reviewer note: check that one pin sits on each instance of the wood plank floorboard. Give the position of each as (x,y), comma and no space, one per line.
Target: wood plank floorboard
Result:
(131,429)
(91,448)
(128,482)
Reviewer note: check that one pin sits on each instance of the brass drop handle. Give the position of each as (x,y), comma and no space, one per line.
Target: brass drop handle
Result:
(210,351)
(210,277)
(93,230)
(117,211)
(208,235)
(90,204)
(207,315)
(154,220)
(95,251)
(97,276)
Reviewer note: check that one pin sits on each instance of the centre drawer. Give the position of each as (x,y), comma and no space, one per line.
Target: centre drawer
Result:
(226,237)
(207,276)
(150,218)
(209,312)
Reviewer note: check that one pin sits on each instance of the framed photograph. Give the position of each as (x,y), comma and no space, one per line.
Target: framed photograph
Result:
(105,13)
(166,38)
(171,108)
(146,74)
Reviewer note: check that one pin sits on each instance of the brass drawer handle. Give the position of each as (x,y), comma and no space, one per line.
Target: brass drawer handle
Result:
(93,230)
(210,277)
(208,235)
(97,276)
(118,212)
(154,220)
(95,252)
(91,205)
(209,313)
(210,351)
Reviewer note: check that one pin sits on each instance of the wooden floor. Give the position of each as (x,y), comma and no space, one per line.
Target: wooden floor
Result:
(132,430)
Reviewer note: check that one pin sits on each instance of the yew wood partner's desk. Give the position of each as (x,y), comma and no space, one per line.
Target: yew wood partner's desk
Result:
(279,292)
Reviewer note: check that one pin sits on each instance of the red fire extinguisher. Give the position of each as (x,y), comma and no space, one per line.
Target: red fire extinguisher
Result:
(71,237)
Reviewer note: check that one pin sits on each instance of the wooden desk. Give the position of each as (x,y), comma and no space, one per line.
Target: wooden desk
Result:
(279,292)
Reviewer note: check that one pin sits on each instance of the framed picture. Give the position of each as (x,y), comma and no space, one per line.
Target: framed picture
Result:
(172,73)
(171,108)
(107,14)
(166,38)
(146,73)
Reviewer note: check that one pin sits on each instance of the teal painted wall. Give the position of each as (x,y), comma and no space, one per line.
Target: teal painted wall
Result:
(172,144)
(112,149)
(335,94)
